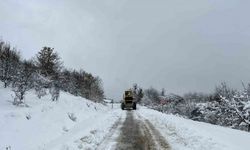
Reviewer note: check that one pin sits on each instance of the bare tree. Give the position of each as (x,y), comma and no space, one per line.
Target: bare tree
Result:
(153,95)
(23,81)
(9,60)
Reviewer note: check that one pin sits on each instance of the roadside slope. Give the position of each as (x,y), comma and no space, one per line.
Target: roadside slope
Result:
(184,134)
(44,124)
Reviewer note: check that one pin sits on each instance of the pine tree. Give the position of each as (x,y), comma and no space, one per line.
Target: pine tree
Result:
(48,62)
(49,65)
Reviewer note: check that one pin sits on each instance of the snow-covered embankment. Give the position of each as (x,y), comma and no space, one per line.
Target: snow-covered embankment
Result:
(185,134)
(44,124)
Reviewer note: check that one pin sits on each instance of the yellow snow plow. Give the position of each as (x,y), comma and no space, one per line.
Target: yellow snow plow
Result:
(128,101)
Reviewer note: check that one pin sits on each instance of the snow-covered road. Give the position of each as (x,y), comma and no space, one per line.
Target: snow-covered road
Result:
(136,133)
(114,130)
(148,129)
(74,123)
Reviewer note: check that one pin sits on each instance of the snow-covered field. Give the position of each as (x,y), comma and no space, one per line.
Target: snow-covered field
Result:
(46,125)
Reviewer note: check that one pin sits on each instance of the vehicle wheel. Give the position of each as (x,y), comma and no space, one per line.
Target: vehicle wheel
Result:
(134,106)
(122,106)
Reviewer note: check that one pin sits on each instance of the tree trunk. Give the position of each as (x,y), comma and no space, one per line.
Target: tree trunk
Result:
(22,96)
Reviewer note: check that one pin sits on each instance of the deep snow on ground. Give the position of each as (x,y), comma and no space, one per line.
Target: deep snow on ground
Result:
(46,125)
(184,134)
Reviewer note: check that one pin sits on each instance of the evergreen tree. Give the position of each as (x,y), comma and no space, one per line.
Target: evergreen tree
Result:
(48,62)
(49,65)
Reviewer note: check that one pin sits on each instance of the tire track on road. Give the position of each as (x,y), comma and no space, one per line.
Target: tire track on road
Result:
(133,135)
(109,141)
(159,140)
(162,142)
(138,133)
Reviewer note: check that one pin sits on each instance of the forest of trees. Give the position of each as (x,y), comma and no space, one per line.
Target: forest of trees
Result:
(224,107)
(45,74)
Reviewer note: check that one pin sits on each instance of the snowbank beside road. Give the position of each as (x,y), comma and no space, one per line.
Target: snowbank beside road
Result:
(184,134)
(44,124)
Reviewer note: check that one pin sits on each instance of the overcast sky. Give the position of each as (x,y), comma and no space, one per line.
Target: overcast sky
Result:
(179,45)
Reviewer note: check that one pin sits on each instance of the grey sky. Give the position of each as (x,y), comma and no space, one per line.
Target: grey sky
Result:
(181,45)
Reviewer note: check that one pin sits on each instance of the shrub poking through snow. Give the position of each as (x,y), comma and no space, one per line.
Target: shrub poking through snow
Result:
(28,116)
(65,129)
(72,117)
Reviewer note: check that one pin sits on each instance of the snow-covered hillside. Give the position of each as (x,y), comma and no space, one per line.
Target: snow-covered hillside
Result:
(44,124)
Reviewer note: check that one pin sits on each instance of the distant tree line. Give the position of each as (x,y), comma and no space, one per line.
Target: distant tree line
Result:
(45,74)
(224,107)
